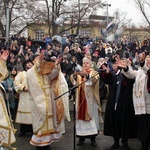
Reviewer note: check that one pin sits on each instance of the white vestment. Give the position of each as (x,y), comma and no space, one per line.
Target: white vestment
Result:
(141,97)
(43,106)
(24,110)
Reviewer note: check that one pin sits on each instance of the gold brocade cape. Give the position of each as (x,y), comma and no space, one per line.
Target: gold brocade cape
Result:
(40,99)
(6,128)
(59,87)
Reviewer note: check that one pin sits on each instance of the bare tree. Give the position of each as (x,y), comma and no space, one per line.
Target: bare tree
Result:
(82,10)
(120,19)
(74,12)
(21,14)
(144,7)
(51,10)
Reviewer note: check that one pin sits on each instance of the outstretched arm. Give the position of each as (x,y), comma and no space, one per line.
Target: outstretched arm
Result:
(3,67)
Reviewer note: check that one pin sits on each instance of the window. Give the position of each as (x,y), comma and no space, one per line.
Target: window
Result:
(84,32)
(39,34)
(67,32)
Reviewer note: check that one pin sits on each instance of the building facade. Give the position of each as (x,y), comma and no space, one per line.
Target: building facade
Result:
(92,28)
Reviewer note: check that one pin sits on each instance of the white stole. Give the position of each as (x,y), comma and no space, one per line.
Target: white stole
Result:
(138,93)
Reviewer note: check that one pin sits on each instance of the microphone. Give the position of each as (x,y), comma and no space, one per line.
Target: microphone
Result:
(119,70)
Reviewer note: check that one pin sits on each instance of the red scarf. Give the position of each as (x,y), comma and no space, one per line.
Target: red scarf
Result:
(88,70)
(82,106)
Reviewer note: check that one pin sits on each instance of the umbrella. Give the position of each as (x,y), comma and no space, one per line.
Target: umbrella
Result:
(39,43)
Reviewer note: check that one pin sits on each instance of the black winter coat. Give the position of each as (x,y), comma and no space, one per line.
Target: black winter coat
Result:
(122,122)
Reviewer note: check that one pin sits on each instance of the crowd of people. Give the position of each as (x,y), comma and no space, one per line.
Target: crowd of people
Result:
(33,75)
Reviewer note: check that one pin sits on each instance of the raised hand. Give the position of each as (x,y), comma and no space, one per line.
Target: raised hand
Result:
(142,57)
(122,63)
(4,55)
(106,68)
(83,73)
(41,57)
(57,60)
(148,63)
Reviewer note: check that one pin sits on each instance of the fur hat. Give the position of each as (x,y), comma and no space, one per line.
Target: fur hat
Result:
(27,61)
(32,57)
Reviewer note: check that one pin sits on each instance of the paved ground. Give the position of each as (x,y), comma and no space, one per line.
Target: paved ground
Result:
(67,143)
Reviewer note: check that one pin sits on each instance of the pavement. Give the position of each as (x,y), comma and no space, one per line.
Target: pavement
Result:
(69,141)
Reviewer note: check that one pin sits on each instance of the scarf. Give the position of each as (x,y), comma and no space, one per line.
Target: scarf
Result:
(82,105)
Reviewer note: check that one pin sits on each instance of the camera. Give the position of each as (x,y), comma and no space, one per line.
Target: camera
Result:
(76,69)
(64,58)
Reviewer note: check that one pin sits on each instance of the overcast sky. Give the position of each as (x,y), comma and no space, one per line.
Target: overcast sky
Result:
(127,6)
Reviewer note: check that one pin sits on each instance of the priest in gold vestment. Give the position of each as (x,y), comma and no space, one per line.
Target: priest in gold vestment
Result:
(47,113)
(88,106)
(6,128)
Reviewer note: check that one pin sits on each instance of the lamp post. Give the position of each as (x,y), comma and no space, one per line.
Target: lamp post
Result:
(7,23)
(107,5)
(53,17)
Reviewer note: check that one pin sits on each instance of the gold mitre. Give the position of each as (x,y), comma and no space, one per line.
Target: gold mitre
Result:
(46,67)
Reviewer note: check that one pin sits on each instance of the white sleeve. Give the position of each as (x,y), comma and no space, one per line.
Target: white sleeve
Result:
(145,68)
(131,74)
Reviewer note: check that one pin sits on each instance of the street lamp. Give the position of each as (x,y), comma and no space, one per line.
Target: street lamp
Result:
(7,23)
(107,5)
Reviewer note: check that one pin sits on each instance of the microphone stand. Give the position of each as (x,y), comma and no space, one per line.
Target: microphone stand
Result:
(73,89)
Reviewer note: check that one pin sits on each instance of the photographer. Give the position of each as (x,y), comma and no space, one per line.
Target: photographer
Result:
(66,65)
(145,45)
(119,51)
(66,52)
